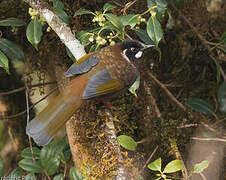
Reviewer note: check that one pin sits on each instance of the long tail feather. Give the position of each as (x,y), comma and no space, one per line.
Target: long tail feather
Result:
(46,124)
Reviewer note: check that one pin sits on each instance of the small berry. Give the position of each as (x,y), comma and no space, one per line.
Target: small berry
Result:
(112,43)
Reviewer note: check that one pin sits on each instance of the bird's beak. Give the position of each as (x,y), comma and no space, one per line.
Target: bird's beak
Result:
(145,46)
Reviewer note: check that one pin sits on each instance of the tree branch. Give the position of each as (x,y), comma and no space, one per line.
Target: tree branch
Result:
(29,87)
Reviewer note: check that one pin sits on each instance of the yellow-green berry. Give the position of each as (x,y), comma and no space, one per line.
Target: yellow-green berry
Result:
(91,39)
(112,43)
(48,29)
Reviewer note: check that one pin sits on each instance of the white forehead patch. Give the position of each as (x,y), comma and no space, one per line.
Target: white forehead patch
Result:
(138,54)
(124,55)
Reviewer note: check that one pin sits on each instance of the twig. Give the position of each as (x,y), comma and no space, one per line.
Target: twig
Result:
(174,147)
(23,112)
(149,159)
(23,88)
(203,176)
(28,119)
(127,6)
(202,39)
(118,4)
(153,101)
(209,139)
(65,170)
(187,126)
(171,96)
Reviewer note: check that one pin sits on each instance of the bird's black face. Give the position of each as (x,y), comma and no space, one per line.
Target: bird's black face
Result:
(132,50)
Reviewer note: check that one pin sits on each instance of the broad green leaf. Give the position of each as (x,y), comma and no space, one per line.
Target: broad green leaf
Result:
(30,176)
(58,147)
(156,165)
(26,153)
(30,165)
(198,168)
(75,174)
(83,37)
(127,142)
(66,154)
(12,22)
(130,19)
(143,35)
(11,50)
(58,177)
(1,166)
(83,11)
(222,96)
(115,21)
(17,172)
(173,166)
(50,156)
(108,6)
(223,38)
(34,32)
(135,86)
(94,48)
(57,4)
(4,62)
(154,30)
(108,26)
(62,14)
(201,106)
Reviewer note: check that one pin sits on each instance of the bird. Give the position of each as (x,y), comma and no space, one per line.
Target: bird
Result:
(102,73)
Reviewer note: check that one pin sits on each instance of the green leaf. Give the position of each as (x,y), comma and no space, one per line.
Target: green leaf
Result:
(34,32)
(26,153)
(66,154)
(50,156)
(143,35)
(201,106)
(18,172)
(135,86)
(30,176)
(58,4)
(108,6)
(156,165)
(12,22)
(75,174)
(1,166)
(30,165)
(223,38)
(130,19)
(94,48)
(115,21)
(59,177)
(154,30)
(222,96)
(62,14)
(83,37)
(4,62)
(11,50)
(127,142)
(83,11)
(198,168)
(173,166)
